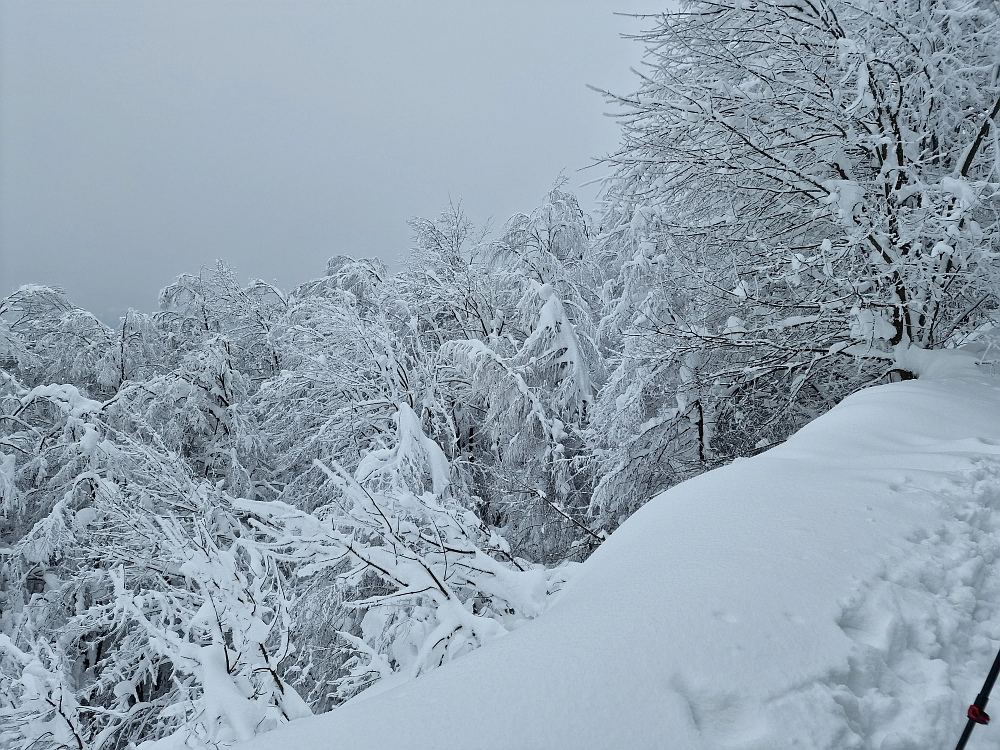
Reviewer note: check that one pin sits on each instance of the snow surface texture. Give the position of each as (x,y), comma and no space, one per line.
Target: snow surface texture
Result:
(839,591)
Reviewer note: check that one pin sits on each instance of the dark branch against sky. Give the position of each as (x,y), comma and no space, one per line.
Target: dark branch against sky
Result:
(143,140)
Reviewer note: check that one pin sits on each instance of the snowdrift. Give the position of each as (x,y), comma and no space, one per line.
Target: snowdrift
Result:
(839,591)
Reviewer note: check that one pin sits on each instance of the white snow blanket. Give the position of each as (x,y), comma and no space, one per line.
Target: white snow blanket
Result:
(839,591)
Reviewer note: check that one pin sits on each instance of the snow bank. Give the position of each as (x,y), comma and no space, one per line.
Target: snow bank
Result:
(839,591)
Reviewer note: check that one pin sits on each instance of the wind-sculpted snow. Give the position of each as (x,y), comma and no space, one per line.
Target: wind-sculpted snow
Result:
(840,591)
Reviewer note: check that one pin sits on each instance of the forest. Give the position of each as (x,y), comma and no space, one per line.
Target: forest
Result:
(253,504)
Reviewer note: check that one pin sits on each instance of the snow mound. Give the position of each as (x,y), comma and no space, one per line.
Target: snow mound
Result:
(839,591)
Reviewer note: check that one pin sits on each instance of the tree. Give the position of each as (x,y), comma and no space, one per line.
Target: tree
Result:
(409,556)
(802,188)
(135,601)
(47,339)
(247,493)
(525,368)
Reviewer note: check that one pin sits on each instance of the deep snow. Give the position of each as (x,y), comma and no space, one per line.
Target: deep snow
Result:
(840,591)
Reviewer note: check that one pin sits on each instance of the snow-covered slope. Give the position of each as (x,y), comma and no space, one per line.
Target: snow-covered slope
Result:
(839,591)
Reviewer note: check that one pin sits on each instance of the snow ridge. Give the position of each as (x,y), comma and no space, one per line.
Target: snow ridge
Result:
(840,591)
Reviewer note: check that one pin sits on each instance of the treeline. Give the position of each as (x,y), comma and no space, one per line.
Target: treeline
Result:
(254,504)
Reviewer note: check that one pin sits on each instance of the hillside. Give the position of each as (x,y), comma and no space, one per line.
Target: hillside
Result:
(838,591)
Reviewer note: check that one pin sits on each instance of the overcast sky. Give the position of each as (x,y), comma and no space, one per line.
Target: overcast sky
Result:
(140,140)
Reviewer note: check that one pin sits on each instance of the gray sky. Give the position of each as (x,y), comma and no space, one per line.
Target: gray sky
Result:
(140,140)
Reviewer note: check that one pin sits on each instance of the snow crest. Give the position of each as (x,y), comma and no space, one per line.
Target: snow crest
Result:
(840,591)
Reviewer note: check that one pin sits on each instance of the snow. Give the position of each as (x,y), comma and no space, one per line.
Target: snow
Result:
(68,398)
(838,591)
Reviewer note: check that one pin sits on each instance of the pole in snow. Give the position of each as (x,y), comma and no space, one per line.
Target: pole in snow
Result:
(976,713)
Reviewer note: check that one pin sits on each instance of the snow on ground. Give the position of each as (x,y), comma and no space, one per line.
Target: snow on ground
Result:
(839,591)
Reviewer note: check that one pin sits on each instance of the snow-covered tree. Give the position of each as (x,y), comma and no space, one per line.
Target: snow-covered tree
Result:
(248,495)
(195,308)
(527,373)
(135,602)
(408,555)
(47,339)
(801,189)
